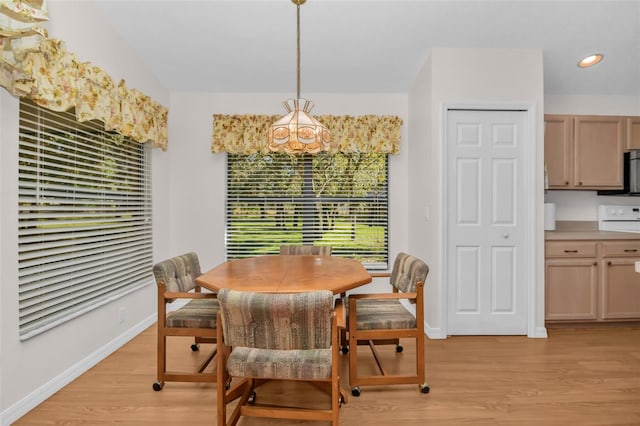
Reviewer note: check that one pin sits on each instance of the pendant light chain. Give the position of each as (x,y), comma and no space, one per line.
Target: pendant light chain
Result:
(298,50)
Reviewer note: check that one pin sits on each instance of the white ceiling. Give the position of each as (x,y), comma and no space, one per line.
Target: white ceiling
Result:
(372,45)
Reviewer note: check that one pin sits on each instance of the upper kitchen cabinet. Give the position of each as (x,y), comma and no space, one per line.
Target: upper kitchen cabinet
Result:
(584,151)
(633,132)
(558,150)
(598,147)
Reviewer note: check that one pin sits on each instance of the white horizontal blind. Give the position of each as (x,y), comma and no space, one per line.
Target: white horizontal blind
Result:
(337,200)
(85,234)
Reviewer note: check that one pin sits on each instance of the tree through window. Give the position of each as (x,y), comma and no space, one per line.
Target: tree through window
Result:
(338,200)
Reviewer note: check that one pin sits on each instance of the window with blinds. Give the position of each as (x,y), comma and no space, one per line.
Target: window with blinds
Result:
(85,234)
(337,200)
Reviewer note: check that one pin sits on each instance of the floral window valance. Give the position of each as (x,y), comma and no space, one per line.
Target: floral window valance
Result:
(41,69)
(247,134)
(19,31)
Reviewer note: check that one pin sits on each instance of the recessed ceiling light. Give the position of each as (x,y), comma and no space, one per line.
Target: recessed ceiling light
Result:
(590,60)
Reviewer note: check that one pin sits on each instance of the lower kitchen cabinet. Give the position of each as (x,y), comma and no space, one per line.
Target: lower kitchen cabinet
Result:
(571,281)
(620,290)
(591,281)
(571,289)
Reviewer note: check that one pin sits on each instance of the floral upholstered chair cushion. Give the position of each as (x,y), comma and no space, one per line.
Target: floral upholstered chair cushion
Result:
(278,336)
(178,273)
(309,250)
(407,271)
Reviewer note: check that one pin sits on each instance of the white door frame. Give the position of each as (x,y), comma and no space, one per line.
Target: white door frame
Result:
(529,198)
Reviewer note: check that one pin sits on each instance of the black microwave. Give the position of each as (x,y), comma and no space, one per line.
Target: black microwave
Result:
(631,176)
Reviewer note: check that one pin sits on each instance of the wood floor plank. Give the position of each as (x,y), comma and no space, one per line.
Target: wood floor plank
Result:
(587,377)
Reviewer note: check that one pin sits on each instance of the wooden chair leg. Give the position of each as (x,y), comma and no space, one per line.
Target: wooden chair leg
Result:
(344,341)
(161,361)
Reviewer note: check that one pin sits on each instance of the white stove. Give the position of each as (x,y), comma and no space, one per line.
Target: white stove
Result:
(619,218)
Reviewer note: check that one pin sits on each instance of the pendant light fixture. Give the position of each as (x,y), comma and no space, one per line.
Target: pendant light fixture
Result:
(298,132)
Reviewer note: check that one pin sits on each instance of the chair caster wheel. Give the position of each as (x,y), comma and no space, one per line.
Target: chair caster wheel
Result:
(424,388)
(344,349)
(195,348)
(355,391)
(399,348)
(252,399)
(157,386)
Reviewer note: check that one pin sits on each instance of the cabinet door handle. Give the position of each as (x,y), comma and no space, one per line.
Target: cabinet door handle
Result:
(609,263)
(580,183)
(566,182)
(630,250)
(596,263)
(571,251)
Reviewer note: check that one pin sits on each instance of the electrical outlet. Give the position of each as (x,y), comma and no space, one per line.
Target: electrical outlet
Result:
(122,315)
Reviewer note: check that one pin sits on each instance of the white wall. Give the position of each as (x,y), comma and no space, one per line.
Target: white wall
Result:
(592,105)
(198,176)
(467,77)
(424,190)
(34,369)
(583,205)
(2,197)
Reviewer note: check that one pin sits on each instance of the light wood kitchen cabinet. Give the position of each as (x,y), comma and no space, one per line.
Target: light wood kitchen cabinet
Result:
(620,285)
(558,150)
(592,281)
(571,281)
(598,147)
(584,151)
(633,133)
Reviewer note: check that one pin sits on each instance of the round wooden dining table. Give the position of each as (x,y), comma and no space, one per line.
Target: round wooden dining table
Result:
(287,274)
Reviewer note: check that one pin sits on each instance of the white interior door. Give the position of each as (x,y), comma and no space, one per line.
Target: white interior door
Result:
(486,229)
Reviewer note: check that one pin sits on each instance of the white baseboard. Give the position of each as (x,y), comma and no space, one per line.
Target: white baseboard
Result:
(539,333)
(38,396)
(434,332)
(437,333)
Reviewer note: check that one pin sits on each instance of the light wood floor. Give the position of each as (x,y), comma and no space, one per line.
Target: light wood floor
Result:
(581,377)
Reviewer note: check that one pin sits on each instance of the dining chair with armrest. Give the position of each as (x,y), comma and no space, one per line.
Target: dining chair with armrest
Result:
(196,318)
(287,249)
(277,336)
(381,319)
(305,249)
